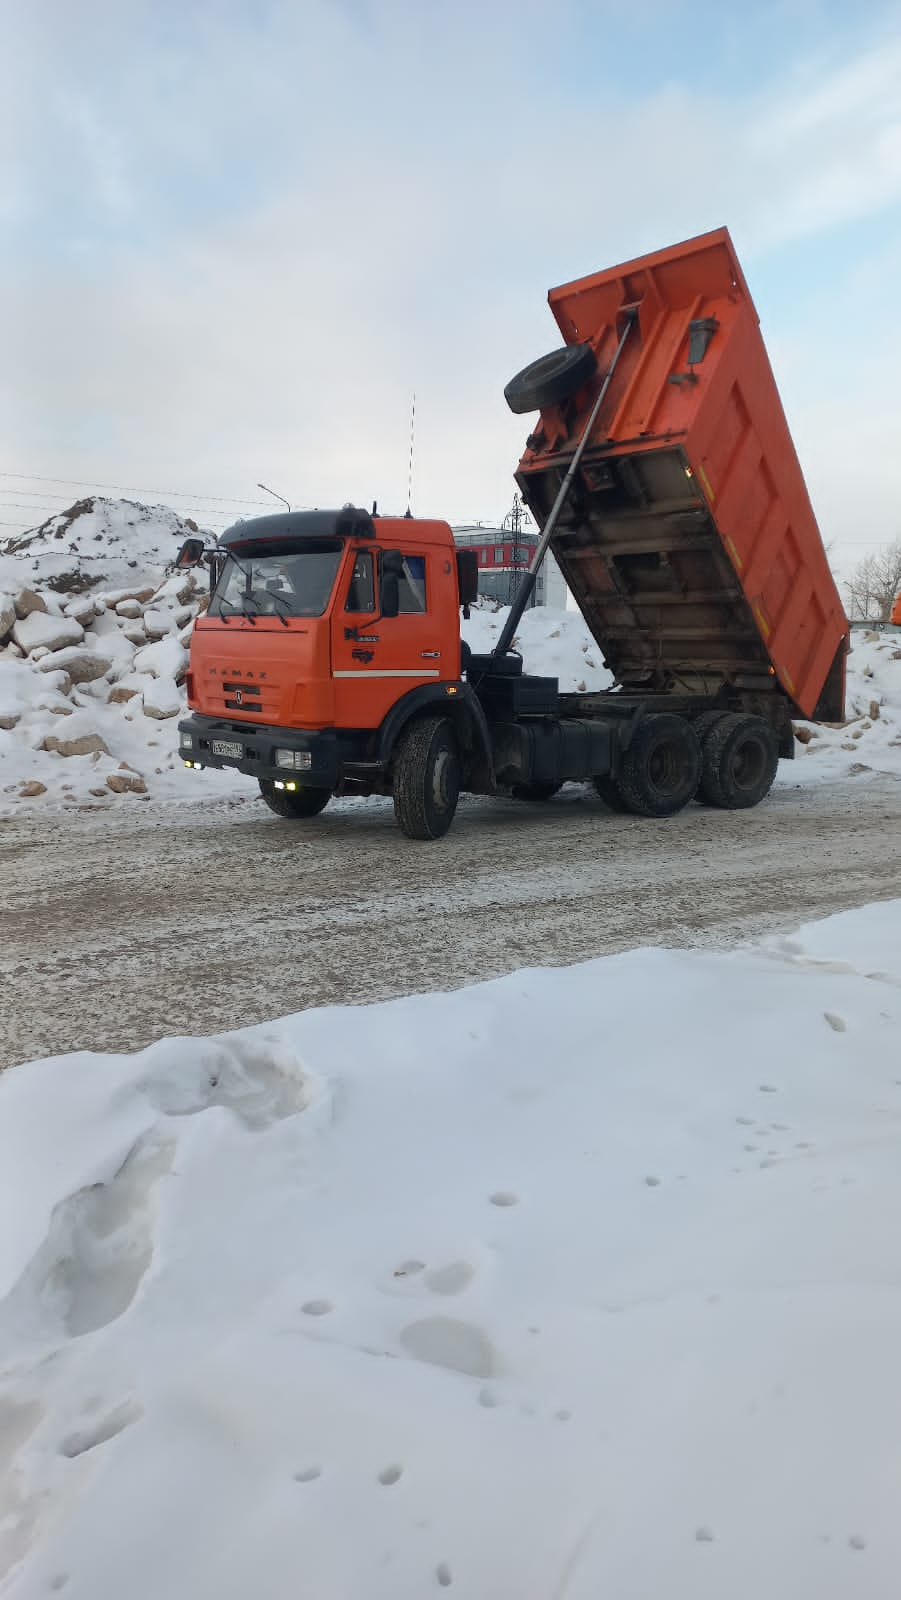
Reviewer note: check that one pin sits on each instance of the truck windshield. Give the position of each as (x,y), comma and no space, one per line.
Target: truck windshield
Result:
(270,580)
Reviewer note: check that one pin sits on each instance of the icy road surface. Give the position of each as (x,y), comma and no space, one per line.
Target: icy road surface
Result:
(126,925)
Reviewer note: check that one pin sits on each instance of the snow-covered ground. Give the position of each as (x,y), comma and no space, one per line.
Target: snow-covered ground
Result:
(578,1283)
(133,626)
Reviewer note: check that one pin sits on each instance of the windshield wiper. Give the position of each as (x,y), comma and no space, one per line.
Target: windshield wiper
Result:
(279,600)
(276,599)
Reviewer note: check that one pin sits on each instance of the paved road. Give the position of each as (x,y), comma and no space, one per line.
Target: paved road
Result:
(125,925)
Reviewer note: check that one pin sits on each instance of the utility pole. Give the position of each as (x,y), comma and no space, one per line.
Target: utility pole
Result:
(516,520)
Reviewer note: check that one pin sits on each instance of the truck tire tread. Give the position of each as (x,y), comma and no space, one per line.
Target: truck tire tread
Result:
(660,769)
(551,378)
(738,762)
(426,779)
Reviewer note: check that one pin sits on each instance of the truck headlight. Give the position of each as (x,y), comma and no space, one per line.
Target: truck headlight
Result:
(185,741)
(297,760)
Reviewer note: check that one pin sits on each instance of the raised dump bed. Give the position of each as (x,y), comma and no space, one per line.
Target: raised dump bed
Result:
(688,538)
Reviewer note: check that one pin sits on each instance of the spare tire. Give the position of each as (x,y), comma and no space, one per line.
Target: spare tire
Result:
(550,379)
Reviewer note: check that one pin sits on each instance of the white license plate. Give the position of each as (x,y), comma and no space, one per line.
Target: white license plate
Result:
(226,747)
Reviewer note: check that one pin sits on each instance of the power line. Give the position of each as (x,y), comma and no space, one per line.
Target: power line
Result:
(121,488)
(42,496)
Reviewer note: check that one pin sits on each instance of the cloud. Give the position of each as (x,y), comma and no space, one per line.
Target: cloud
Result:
(262,226)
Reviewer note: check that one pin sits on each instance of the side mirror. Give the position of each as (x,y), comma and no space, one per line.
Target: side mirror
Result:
(390,573)
(191,553)
(468,577)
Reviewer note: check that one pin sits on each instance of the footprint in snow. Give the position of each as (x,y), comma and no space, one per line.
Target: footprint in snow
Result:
(261,1082)
(99,1245)
(317,1308)
(408,1269)
(504,1197)
(836,1023)
(452,1279)
(85,1439)
(446,1342)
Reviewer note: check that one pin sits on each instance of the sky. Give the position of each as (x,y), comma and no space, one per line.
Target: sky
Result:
(237,236)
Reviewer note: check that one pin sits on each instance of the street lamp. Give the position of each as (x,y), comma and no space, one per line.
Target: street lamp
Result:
(275,496)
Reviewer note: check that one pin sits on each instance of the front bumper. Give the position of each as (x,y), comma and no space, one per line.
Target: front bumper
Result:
(257,749)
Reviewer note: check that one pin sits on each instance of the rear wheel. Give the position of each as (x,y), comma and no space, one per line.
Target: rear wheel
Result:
(300,802)
(739,762)
(426,778)
(535,791)
(702,726)
(660,769)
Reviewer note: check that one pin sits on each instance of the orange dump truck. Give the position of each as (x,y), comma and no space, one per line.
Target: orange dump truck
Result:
(662,473)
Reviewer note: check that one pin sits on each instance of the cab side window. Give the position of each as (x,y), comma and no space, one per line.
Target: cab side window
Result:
(361,589)
(412,585)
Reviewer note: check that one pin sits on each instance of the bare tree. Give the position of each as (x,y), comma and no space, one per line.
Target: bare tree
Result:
(874,585)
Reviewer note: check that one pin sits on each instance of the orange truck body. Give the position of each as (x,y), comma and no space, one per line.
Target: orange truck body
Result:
(896,612)
(690,544)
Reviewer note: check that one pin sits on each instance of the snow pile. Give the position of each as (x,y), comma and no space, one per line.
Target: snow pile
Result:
(870,739)
(532,1289)
(553,644)
(90,686)
(98,540)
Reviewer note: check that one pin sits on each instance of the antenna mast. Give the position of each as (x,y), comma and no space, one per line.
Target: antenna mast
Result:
(408,511)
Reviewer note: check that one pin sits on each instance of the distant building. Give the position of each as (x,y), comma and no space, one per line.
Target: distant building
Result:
(504,555)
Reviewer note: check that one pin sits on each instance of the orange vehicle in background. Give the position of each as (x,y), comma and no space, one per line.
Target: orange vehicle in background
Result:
(664,479)
(896,612)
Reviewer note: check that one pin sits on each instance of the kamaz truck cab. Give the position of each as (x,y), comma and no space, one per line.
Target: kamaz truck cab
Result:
(329,637)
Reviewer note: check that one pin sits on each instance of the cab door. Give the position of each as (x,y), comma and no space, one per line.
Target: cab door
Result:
(376,660)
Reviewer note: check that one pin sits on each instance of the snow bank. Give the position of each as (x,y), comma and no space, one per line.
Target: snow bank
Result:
(534,1289)
(870,740)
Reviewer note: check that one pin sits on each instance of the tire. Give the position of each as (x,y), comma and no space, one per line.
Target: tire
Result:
(739,762)
(550,379)
(294,803)
(702,726)
(426,778)
(608,790)
(535,791)
(660,770)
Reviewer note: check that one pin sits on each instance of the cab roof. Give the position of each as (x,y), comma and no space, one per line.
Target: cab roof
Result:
(348,523)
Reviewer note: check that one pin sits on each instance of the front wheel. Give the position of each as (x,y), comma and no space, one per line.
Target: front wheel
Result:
(300,802)
(426,778)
